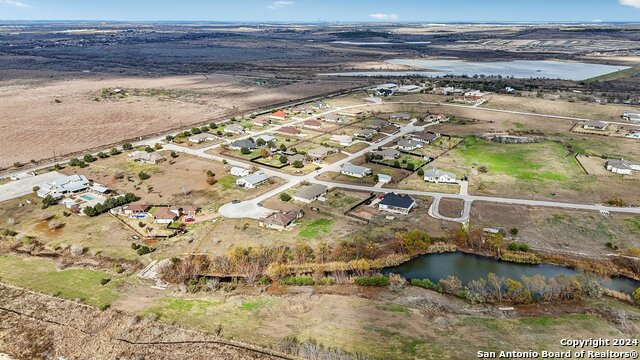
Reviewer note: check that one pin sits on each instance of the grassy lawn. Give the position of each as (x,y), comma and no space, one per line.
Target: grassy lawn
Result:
(315,228)
(41,275)
(227,182)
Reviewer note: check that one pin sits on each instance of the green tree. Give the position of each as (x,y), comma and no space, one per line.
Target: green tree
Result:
(143,175)
(420,172)
(298,164)
(89,158)
(636,296)
(48,201)
(245,150)
(114,152)
(285,197)
(283,159)
(127,146)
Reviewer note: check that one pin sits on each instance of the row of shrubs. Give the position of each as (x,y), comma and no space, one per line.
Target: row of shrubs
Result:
(109,204)
(303,280)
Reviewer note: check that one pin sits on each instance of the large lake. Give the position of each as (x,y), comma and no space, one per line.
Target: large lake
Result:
(468,267)
(517,68)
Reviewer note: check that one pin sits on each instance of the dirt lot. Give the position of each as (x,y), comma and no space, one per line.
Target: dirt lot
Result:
(451,207)
(561,230)
(63,116)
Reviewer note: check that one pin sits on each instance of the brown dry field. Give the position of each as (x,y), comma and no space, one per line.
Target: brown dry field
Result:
(581,232)
(35,126)
(451,207)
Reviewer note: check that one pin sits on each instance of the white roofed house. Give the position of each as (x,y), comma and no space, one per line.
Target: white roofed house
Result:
(320,105)
(146,157)
(438,176)
(64,185)
(343,140)
(409,89)
(631,116)
(334,118)
(409,145)
(309,193)
(355,170)
(387,154)
(366,134)
(200,138)
(234,129)
(252,181)
(400,116)
(320,153)
(238,171)
(595,125)
(623,167)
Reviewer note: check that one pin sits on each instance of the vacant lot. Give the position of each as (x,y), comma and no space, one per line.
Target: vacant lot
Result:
(561,230)
(64,117)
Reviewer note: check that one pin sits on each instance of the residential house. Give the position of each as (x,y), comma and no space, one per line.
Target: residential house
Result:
(234,129)
(390,129)
(424,137)
(409,145)
(146,157)
(334,118)
(252,181)
(244,143)
(396,203)
(289,130)
(475,93)
(436,118)
(366,134)
(279,115)
(312,124)
(355,170)
(266,138)
(438,176)
(282,220)
(623,167)
(595,125)
(200,138)
(631,116)
(309,193)
(136,209)
(354,112)
(384,92)
(343,140)
(189,211)
(238,171)
(164,215)
(296,157)
(320,153)
(384,178)
(64,185)
(261,122)
(409,89)
(400,116)
(99,189)
(321,105)
(388,154)
(450,90)
(377,124)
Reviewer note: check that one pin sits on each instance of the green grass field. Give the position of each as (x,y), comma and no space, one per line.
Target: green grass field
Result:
(316,228)
(41,275)
(530,162)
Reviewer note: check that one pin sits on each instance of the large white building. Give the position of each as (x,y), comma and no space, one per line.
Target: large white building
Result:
(64,185)
(438,176)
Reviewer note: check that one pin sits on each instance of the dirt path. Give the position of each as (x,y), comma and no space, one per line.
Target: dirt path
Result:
(38,326)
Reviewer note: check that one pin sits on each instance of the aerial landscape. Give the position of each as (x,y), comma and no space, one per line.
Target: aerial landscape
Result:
(319,180)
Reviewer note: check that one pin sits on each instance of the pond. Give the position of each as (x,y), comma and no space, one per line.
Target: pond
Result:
(467,267)
(517,68)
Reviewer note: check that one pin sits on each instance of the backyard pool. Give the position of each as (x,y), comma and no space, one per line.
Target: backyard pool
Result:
(87,197)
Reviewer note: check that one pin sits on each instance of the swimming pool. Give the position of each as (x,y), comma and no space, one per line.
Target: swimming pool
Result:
(87,197)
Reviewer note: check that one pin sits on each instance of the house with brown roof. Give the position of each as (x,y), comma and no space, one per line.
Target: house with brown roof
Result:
(164,215)
(136,209)
(282,220)
(312,124)
(424,137)
(288,130)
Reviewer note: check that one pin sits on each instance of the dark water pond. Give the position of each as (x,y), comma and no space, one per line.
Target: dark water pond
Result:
(467,267)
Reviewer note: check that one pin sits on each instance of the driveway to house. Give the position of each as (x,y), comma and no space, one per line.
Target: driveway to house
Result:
(24,185)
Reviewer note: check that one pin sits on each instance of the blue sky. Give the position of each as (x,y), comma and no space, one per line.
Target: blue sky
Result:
(323,10)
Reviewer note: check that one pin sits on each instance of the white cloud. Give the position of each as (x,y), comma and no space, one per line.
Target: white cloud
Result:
(279,4)
(388,17)
(15,3)
(633,3)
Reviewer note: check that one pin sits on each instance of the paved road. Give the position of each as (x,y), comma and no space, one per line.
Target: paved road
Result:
(24,186)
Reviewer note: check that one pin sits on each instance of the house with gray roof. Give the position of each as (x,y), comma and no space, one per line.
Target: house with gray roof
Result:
(146,157)
(320,153)
(200,138)
(595,125)
(400,116)
(387,154)
(623,167)
(377,124)
(354,170)
(239,144)
(252,181)
(64,185)
(234,129)
(366,134)
(309,193)
(437,176)
(409,145)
